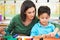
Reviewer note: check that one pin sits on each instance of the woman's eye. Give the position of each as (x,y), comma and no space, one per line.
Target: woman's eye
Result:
(29,12)
(33,11)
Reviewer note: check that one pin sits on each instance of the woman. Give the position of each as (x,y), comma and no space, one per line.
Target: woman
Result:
(22,24)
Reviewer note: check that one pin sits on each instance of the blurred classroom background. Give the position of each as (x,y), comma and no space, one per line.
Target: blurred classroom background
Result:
(10,8)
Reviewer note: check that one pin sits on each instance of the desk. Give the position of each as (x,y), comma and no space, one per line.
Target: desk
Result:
(51,39)
(39,39)
(28,38)
(45,38)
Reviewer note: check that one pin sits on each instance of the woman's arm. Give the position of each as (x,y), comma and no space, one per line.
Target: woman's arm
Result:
(10,26)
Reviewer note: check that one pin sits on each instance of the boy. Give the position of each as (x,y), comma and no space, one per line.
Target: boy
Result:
(44,27)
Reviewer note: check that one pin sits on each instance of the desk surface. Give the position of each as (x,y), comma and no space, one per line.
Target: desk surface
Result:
(39,39)
(51,39)
(28,37)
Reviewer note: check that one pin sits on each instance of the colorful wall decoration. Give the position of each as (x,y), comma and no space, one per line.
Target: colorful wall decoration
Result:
(10,8)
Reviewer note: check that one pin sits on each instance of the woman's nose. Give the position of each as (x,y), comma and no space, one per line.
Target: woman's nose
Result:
(32,14)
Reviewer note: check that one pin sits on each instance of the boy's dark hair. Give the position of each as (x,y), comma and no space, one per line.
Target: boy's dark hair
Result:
(43,9)
(26,5)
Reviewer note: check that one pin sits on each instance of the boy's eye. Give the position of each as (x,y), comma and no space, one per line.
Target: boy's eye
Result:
(46,18)
(42,18)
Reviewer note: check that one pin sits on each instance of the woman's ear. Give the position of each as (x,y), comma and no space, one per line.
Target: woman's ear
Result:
(38,17)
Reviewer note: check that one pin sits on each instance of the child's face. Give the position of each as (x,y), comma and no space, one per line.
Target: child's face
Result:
(44,18)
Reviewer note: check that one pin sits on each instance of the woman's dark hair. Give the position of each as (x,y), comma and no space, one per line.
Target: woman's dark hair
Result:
(43,9)
(26,5)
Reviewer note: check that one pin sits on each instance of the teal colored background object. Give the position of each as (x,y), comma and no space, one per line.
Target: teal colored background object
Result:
(9,37)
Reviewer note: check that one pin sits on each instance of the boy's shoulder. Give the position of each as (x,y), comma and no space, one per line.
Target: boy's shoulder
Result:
(51,25)
(37,25)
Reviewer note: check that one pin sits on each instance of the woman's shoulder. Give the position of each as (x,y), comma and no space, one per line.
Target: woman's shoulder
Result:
(36,18)
(16,17)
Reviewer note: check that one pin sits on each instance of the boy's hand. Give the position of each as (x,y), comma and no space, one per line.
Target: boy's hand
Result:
(44,36)
(36,37)
(52,34)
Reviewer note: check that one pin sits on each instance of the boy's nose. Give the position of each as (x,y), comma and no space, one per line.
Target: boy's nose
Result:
(44,19)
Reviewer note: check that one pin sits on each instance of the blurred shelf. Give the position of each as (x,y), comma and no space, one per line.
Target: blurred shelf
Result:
(55,21)
(4,23)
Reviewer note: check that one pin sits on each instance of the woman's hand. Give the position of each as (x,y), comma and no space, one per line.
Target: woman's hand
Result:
(2,31)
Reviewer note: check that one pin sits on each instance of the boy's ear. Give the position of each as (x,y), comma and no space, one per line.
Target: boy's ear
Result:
(49,16)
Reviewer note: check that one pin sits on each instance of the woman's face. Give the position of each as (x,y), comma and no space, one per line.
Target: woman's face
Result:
(30,13)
